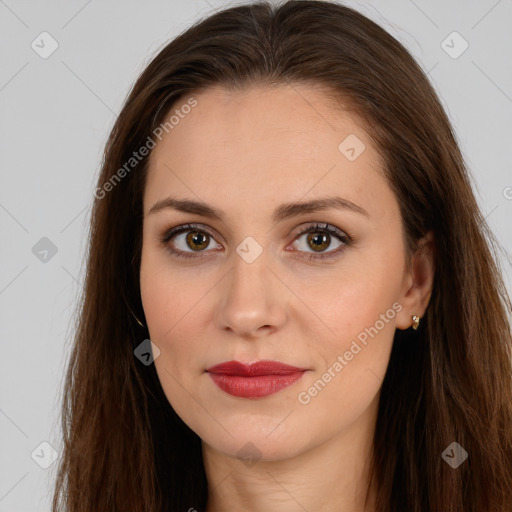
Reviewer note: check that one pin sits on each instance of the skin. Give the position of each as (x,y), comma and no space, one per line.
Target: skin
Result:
(246,153)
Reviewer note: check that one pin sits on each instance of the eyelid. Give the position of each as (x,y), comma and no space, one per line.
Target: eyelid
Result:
(169,233)
(342,236)
(298,231)
(322,226)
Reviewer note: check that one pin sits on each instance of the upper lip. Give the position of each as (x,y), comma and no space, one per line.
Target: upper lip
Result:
(265,367)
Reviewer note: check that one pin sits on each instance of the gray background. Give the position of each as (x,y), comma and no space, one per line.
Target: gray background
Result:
(55,114)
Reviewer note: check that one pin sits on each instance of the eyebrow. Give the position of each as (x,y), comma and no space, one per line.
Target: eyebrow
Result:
(284,211)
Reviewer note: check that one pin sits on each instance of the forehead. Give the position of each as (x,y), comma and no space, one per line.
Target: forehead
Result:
(261,143)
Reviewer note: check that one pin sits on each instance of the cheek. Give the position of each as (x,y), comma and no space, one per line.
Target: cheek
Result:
(357,307)
(169,310)
(155,299)
(355,297)
(174,302)
(353,354)
(168,295)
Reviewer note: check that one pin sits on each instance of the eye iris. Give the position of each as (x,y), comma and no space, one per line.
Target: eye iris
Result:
(320,241)
(195,237)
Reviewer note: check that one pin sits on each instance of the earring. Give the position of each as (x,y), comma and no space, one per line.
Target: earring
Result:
(138,321)
(415,322)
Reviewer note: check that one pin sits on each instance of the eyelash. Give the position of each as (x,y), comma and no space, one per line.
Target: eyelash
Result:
(315,228)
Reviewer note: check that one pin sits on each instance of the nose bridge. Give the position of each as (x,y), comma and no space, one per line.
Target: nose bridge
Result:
(251,260)
(249,281)
(251,299)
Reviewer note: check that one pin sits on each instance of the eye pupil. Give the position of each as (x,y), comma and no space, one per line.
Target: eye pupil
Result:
(198,239)
(320,241)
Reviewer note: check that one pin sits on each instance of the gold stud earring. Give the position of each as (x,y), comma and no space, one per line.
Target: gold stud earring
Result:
(415,322)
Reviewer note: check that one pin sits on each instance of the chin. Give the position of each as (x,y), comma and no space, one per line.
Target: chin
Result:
(251,446)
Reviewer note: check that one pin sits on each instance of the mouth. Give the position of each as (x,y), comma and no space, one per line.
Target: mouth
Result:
(257,380)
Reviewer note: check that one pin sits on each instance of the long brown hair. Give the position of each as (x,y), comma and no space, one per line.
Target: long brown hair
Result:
(125,449)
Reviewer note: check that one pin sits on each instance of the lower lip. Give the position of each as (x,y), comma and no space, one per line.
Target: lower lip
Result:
(254,387)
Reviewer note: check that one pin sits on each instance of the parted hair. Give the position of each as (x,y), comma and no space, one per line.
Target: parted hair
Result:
(125,449)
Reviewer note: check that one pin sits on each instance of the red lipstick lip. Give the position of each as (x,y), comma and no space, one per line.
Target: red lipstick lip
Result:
(257,380)
(259,368)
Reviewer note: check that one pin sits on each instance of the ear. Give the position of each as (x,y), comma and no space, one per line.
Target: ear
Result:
(417,283)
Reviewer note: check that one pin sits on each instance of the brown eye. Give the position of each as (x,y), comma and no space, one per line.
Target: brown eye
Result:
(185,240)
(319,238)
(197,240)
(318,241)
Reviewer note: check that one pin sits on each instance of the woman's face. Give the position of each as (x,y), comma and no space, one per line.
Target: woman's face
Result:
(249,290)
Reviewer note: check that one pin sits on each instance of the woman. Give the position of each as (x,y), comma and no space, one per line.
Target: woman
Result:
(284,212)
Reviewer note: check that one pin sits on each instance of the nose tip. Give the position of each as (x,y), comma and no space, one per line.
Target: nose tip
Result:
(250,305)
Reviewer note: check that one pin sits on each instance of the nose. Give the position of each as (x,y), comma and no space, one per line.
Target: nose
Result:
(252,300)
